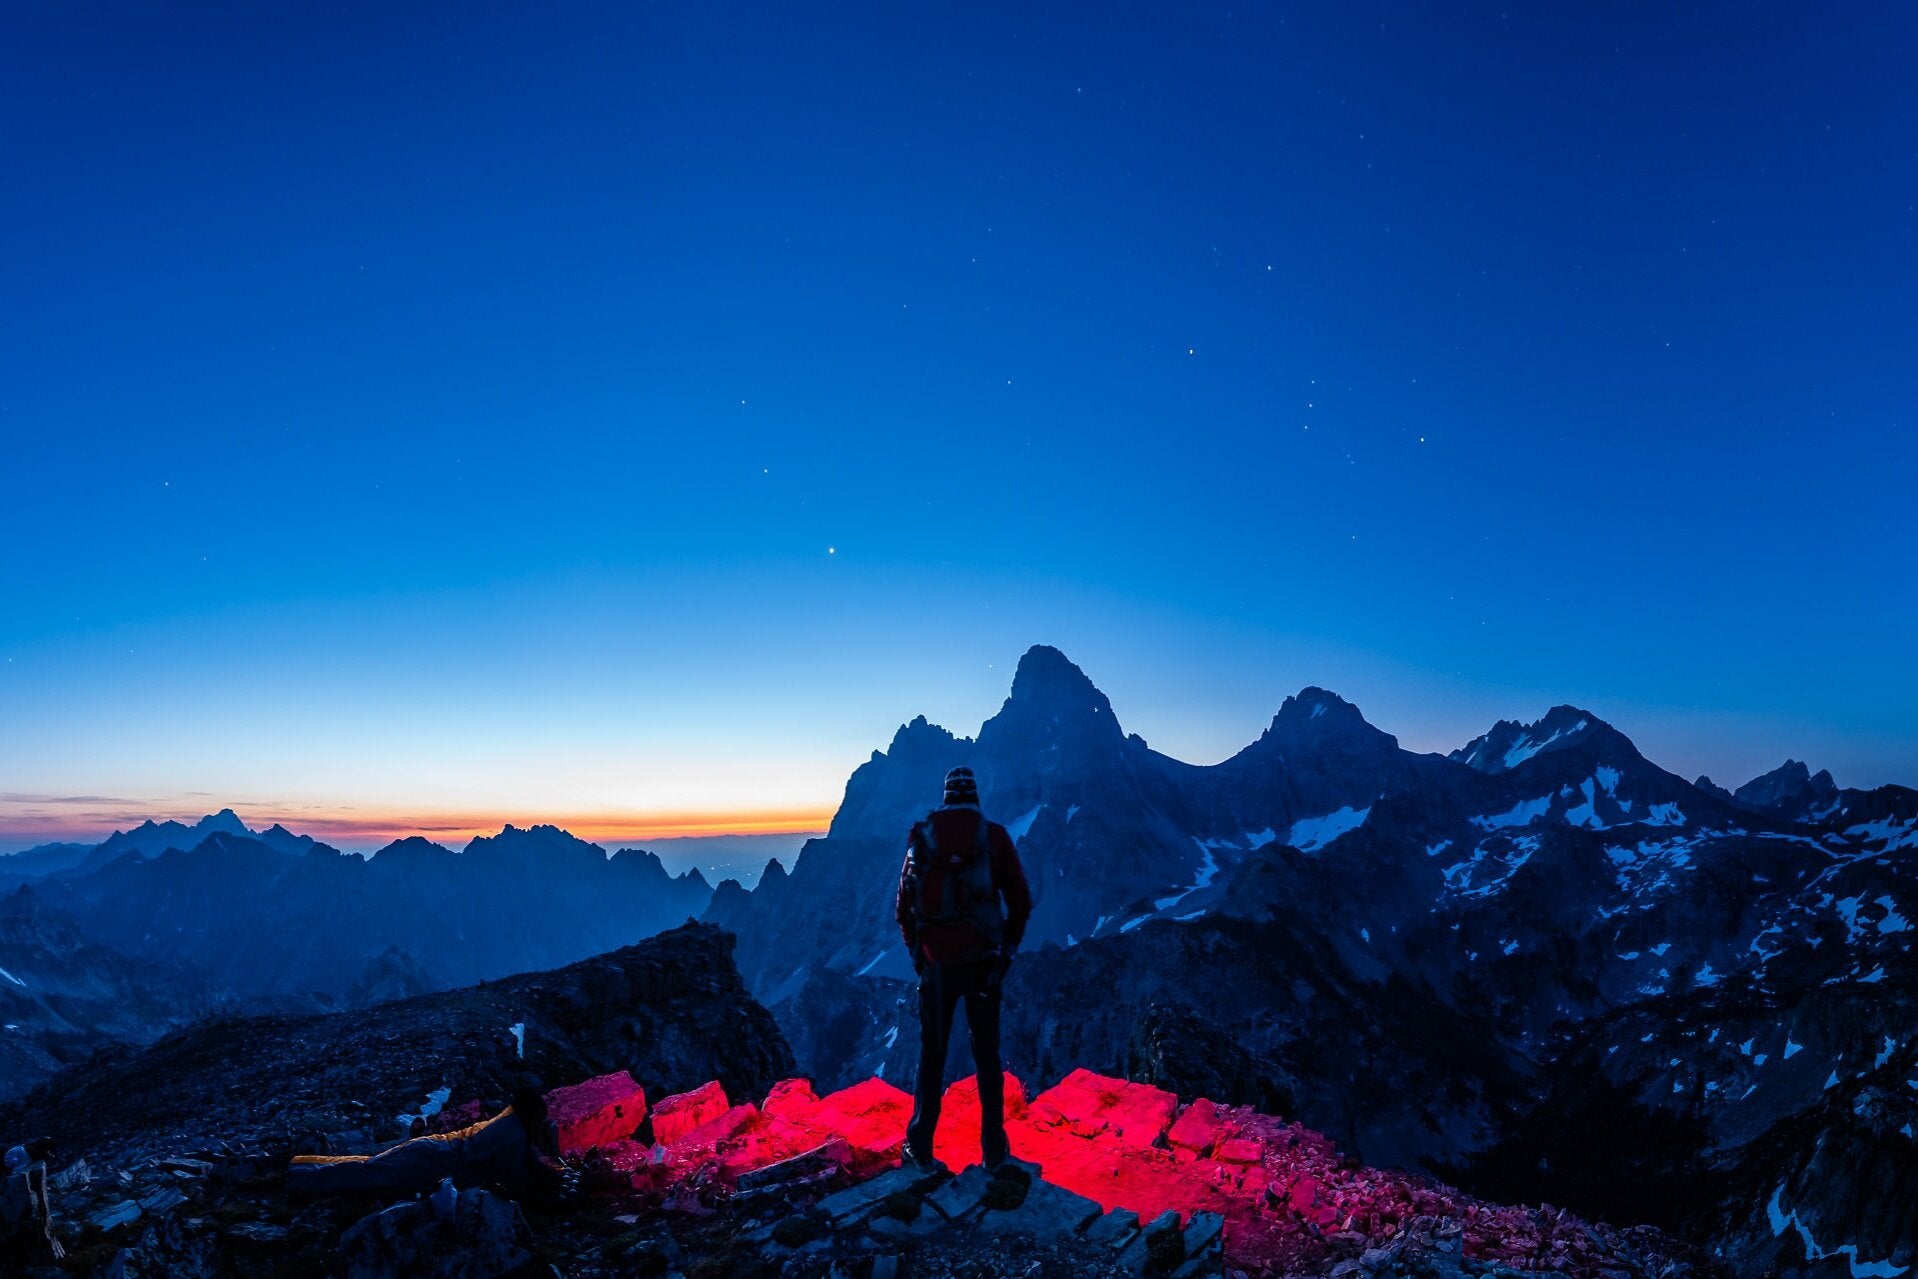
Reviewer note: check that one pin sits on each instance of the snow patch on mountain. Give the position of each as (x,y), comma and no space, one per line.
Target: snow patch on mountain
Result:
(1527,746)
(1524,813)
(1491,864)
(1782,1220)
(1021,824)
(1893,832)
(1208,869)
(1310,834)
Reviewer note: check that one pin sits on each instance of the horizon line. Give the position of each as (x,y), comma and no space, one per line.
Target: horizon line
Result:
(611,830)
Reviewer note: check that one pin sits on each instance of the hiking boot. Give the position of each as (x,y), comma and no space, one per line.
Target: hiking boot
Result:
(918,1161)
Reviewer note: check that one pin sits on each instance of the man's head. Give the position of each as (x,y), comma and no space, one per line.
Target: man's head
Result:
(960,788)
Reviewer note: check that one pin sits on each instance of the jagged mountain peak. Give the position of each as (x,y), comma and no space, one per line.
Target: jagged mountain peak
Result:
(1712,788)
(225,820)
(1787,790)
(1046,674)
(1318,710)
(540,837)
(918,736)
(1510,743)
(1051,696)
(414,846)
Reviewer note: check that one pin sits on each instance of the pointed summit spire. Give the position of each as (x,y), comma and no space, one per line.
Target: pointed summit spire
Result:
(1052,701)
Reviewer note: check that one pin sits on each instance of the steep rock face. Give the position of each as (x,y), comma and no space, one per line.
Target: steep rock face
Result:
(671,1011)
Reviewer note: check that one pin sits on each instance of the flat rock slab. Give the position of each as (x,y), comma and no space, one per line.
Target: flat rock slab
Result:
(1048,1212)
(961,1195)
(1115,1229)
(1203,1232)
(857,1202)
(828,1155)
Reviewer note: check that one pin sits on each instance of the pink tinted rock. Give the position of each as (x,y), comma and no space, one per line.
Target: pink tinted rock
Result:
(682,1112)
(597,1112)
(790,1096)
(1092,1103)
(1239,1150)
(870,1115)
(1202,1126)
(728,1124)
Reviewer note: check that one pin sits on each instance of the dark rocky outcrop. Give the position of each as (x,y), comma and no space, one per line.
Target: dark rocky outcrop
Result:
(671,1010)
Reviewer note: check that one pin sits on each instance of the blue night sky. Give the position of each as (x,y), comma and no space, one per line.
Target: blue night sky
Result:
(628,416)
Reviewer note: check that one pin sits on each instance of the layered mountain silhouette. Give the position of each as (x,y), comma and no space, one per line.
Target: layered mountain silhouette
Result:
(1542,965)
(246,921)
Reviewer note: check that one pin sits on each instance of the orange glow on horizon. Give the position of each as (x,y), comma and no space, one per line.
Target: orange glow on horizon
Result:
(357,827)
(609,829)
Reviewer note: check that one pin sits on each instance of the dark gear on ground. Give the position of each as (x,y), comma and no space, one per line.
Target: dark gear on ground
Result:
(507,1153)
(962,908)
(26,1218)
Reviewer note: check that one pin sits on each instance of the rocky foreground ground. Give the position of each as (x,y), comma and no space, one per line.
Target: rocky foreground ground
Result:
(1110,1178)
(171,1159)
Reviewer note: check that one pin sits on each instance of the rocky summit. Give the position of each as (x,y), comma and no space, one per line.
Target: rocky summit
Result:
(691,1151)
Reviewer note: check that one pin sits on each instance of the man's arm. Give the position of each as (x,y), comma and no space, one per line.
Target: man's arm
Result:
(902,903)
(1011,877)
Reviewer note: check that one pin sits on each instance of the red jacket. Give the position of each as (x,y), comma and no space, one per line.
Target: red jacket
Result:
(958,827)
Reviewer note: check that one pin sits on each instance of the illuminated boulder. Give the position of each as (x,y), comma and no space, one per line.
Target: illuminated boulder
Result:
(1202,1126)
(956,1143)
(1136,1114)
(598,1112)
(682,1112)
(870,1115)
(724,1126)
(790,1097)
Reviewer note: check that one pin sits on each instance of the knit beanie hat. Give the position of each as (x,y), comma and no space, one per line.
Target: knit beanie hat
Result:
(960,788)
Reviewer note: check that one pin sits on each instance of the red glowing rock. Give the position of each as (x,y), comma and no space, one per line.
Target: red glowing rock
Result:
(727,1124)
(1091,1103)
(1239,1150)
(1202,1126)
(871,1116)
(682,1112)
(956,1143)
(790,1096)
(1291,1202)
(596,1113)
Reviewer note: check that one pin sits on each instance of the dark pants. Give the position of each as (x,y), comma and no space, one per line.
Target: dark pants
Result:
(941,987)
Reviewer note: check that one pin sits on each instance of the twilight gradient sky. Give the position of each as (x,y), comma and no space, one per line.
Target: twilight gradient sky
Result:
(423,417)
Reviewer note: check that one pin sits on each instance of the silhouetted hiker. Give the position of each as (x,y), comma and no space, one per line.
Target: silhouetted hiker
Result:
(963,905)
(506,1153)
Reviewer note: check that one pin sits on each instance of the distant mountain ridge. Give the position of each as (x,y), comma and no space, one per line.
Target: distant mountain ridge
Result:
(279,921)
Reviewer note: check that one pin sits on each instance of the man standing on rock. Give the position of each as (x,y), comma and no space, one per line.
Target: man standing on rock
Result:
(962,906)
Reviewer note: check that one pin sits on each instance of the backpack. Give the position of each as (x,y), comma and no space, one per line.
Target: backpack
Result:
(971,891)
